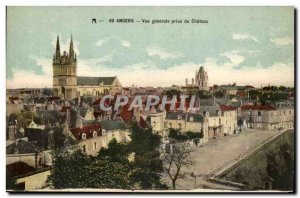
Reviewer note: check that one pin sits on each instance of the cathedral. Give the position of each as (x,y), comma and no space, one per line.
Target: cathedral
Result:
(200,82)
(67,84)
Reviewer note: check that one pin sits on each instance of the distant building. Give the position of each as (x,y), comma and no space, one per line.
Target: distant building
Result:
(215,120)
(229,119)
(202,79)
(188,122)
(67,84)
(200,82)
(279,116)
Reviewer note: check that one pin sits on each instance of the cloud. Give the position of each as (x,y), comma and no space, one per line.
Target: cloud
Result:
(244,36)
(27,79)
(255,75)
(154,50)
(125,43)
(234,57)
(139,73)
(282,41)
(100,42)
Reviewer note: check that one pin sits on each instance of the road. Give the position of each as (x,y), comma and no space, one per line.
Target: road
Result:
(218,154)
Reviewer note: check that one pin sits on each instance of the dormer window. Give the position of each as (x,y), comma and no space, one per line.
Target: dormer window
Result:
(83,136)
(179,117)
(103,132)
(95,134)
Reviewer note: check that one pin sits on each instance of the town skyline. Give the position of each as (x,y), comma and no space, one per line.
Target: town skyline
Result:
(229,54)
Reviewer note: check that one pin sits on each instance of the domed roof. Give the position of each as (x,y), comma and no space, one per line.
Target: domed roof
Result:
(201,69)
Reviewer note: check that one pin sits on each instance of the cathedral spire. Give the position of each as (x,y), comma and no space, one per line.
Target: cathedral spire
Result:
(57,52)
(71,50)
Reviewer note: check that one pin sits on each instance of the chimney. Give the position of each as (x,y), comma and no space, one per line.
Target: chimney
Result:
(192,81)
(186,82)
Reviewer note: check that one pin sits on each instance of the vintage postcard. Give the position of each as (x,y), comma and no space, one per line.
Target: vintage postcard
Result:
(150,99)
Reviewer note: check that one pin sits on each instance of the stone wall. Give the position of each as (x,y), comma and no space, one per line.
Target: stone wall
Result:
(270,167)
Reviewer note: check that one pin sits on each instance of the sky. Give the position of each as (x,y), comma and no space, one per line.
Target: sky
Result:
(243,45)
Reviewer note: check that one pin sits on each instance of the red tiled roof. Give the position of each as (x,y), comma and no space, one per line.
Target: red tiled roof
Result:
(258,107)
(241,93)
(65,108)
(227,108)
(97,102)
(125,114)
(143,123)
(88,130)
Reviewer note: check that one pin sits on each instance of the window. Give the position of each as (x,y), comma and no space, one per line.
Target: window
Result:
(259,113)
(95,134)
(220,121)
(154,123)
(95,145)
(170,125)
(192,119)
(84,148)
(83,136)
(179,125)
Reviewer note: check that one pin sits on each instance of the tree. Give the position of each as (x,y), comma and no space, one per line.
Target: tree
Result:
(240,123)
(10,181)
(69,170)
(47,92)
(175,161)
(147,166)
(116,151)
(72,168)
(202,94)
(177,135)
(172,92)
(108,173)
(57,139)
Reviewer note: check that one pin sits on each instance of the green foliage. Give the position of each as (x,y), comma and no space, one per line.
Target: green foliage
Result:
(47,92)
(177,135)
(24,117)
(240,122)
(172,92)
(10,181)
(143,140)
(116,152)
(147,166)
(202,94)
(108,173)
(69,170)
(147,170)
(57,138)
(75,169)
(219,94)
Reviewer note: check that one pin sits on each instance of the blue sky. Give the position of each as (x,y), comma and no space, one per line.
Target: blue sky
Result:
(247,45)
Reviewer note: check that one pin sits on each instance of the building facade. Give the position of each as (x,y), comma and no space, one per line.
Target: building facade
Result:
(188,122)
(67,84)
(277,117)
(202,79)
(200,82)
